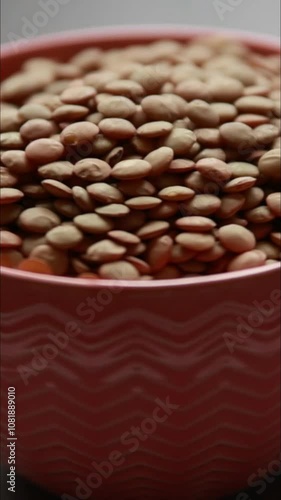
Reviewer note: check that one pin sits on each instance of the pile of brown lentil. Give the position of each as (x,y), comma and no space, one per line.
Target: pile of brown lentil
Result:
(153,161)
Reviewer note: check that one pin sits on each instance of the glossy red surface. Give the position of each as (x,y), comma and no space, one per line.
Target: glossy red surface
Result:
(92,360)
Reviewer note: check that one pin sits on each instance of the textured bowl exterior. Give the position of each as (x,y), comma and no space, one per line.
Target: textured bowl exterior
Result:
(190,368)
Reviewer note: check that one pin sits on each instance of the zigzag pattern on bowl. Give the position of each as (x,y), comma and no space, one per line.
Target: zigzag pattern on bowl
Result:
(107,380)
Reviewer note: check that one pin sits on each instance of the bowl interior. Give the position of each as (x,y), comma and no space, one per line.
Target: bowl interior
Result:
(63,46)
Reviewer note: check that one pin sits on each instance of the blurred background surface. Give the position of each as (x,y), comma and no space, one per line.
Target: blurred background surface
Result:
(24,17)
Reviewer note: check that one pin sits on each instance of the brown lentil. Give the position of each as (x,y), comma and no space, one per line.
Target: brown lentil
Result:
(271,251)
(38,220)
(180,141)
(140,265)
(159,253)
(77,95)
(155,129)
(202,204)
(241,169)
(117,128)
(7,179)
(64,237)
(126,88)
(57,259)
(166,107)
(253,198)
(195,224)
(192,89)
(57,188)
(202,114)
(115,156)
(92,170)
(44,151)
(131,169)
(252,120)
(9,240)
(274,203)
(215,153)
(196,241)
(237,135)
(270,164)
(208,137)
(10,195)
(32,242)
(181,166)
(265,134)
(247,260)
(259,215)
(239,184)
(79,132)
(236,238)
(160,160)
(17,162)
(9,119)
(93,223)
(153,230)
(124,237)
(37,128)
(227,112)
(11,140)
(117,107)
(69,113)
(214,169)
(105,193)
(31,111)
(143,202)
(113,210)
(10,258)
(226,89)
(59,170)
(254,104)
(83,199)
(121,270)
(105,251)
(176,193)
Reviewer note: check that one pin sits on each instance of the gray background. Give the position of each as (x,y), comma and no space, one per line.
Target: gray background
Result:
(254,15)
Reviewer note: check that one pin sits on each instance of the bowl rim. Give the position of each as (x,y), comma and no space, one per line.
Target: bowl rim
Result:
(144,31)
(136,33)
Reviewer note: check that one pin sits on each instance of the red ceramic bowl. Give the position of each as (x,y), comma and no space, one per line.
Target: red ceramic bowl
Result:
(141,390)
